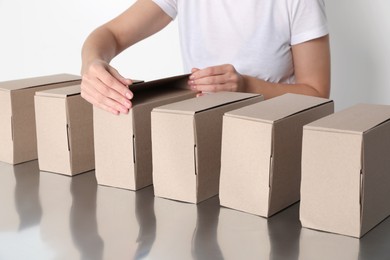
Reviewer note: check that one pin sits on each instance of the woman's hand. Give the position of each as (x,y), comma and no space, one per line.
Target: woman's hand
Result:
(105,88)
(216,78)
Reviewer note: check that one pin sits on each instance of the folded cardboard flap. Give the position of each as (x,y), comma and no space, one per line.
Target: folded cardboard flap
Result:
(204,103)
(171,82)
(61,92)
(350,120)
(279,108)
(38,82)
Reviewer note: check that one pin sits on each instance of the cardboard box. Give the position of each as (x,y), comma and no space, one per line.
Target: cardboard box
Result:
(261,152)
(345,171)
(123,149)
(18,141)
(64,131)
(186,140)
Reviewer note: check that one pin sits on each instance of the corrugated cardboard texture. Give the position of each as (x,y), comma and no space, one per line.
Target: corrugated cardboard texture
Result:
(186,138)
(113,136)
(345,162)
(376,177)
(80,127)
(244,182)
(261,152)
(64,131)
(330,198)
(20,101)
(52,134)
(180,145)
(123,155)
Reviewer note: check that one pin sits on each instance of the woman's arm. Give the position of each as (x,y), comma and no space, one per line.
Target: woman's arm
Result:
(101,84)
(312,74)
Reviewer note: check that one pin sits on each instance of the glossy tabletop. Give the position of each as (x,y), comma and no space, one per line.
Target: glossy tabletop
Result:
(50,216)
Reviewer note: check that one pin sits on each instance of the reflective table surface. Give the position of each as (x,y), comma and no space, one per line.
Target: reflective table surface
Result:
(51,216)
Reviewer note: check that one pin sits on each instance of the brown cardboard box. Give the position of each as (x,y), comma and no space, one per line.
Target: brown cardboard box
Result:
(64,131)
(261,152)
(346,171)
(186,140)
(18,141)
(123,150)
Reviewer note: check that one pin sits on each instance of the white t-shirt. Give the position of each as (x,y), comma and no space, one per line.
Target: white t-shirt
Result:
(255,36)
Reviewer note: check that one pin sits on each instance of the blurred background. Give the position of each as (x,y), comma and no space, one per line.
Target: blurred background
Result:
(44,37)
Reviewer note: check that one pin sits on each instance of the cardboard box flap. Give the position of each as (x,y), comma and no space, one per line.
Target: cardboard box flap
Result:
(157,94)
(176,82)
(206,102)
(278,108)
(60,92)
(356,119)
(38,81)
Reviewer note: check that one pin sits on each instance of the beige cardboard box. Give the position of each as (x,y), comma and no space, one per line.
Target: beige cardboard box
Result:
(123,149)
(261,152)
(346,171)
(18,141)
(64,131)
(186,140)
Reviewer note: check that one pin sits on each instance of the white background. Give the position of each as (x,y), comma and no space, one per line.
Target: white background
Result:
(44,37)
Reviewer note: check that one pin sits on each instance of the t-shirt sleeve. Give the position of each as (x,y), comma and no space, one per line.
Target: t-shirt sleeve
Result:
(308,20)
(168,6)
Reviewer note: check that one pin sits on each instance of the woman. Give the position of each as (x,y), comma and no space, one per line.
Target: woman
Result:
(270,47)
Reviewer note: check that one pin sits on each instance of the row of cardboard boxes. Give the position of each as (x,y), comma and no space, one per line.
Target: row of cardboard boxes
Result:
(259,156)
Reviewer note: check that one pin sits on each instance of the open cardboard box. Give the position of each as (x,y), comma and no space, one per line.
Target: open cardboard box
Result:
(346,171)
(123,149)
(186,140)
(64,131)
(18,142)
(261,152)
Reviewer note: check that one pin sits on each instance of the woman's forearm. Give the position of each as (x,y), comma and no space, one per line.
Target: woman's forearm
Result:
(269,90)
(100,45)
